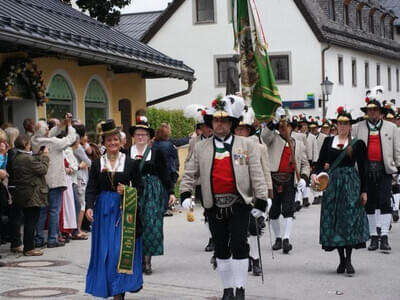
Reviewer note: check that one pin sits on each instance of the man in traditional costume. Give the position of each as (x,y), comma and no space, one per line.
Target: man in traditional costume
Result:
(296,122)
(383,145)
(291,170)
(197,112)
(231,177)
(316,128)
(246,129)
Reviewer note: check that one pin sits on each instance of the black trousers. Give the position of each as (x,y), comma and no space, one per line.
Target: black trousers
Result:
(283,202)
(379,195)
(230,232)
(16,218)
(31,217)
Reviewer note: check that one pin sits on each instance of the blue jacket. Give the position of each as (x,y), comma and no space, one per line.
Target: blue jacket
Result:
(170,153)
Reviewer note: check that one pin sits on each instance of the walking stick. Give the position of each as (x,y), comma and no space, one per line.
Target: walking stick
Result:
(270,238)
(259,251)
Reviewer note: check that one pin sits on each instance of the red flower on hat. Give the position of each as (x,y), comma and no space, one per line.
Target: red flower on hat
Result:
(138,119)
(214,103)
(366,100)
(340,109)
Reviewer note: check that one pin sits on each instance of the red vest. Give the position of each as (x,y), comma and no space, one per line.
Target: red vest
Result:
(222,173)
(374,147)
(285,165)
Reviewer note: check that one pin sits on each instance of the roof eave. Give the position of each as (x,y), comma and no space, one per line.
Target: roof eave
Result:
(98,56)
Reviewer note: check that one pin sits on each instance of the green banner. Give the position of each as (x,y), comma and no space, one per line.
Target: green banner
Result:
(258,81)
(128,231)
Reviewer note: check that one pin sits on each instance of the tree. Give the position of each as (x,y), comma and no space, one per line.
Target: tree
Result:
(103,10)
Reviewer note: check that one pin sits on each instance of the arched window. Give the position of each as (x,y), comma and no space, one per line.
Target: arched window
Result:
(60,98)
(95,105)
(371,23)
(382,26)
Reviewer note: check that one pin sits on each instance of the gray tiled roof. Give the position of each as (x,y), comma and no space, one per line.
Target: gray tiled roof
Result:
(135,25)
(336,33)
(52,26)
(393,5)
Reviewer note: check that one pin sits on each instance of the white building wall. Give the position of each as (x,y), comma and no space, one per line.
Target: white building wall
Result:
(286,32)
(354,97)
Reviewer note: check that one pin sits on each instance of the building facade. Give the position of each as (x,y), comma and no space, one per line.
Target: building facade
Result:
(353,43)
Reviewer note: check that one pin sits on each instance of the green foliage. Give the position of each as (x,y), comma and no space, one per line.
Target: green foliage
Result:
(180,126)
(103,10)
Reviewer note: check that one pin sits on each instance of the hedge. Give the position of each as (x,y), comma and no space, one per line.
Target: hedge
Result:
(180,126)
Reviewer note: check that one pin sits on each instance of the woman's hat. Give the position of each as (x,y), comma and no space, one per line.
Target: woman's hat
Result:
(343,115)
(141,123)
(108,127)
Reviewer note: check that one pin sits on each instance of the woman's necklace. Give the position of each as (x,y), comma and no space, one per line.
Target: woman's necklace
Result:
(111,175)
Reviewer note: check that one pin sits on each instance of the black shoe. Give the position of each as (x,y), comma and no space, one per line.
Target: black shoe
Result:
(384,246)
(305,202)
(341,268)
(278,244)
(56,244)
(349,268)
(395,215)
(297,205)
(41,244)
(228,294)
(239,295)
(256,267)
(286,246)
(374,243)
(210,246)
(317,200)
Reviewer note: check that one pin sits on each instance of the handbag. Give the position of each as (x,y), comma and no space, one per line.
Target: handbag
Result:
(323,177)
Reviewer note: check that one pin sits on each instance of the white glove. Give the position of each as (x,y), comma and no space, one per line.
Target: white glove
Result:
(256,213)
(187,204)
(278,114)
(301,185)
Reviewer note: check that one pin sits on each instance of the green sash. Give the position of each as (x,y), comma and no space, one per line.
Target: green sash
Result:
(128,231)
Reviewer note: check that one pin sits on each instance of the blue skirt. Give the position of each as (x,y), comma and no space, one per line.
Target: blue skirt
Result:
(102,279)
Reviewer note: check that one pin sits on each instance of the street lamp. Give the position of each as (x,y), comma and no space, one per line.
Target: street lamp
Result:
(326,87)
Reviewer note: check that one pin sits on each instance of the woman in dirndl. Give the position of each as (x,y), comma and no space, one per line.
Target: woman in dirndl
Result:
(343,224)
(158,190)
(107,180)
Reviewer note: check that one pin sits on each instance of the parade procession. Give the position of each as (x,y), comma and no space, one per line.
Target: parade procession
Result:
(187,149)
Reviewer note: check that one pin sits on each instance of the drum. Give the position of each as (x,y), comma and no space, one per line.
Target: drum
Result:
(323,179)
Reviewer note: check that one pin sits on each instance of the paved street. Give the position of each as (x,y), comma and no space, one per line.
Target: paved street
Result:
(185,273)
